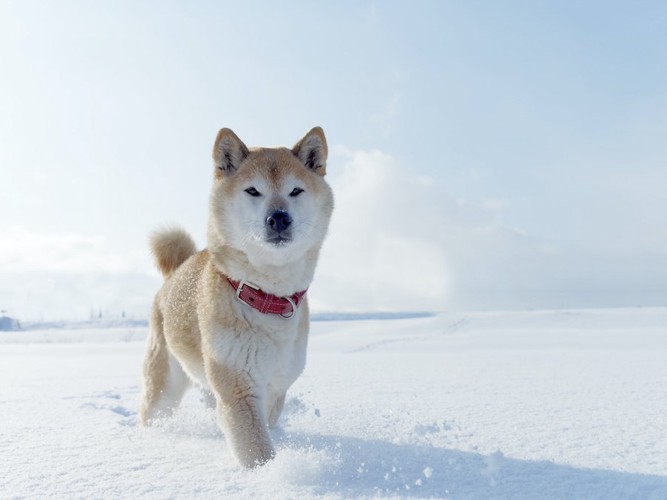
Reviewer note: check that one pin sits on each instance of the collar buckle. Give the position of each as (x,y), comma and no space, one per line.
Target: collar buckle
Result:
(243,283)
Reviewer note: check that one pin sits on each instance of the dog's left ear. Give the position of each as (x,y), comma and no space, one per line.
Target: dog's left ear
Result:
(312,151)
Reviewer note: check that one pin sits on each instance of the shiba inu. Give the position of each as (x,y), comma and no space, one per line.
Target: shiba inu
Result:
(233,318)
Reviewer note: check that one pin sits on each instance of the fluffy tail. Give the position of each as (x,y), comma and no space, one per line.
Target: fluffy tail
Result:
(171,247)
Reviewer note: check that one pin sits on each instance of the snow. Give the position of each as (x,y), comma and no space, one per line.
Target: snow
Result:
(533,404)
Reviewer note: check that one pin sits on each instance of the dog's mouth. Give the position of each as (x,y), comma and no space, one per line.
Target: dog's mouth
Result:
(279,240)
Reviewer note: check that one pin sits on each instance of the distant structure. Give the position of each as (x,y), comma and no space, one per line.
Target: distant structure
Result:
(8,324)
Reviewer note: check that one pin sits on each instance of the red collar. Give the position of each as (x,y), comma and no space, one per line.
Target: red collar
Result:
(266,303)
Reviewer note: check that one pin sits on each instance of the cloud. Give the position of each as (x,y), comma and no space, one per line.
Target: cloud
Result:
(401,241)
(386,247)
(74,253)
(377,254)
(65,276)
(38,295)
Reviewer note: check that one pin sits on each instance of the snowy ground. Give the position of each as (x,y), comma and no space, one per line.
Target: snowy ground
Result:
(568,404)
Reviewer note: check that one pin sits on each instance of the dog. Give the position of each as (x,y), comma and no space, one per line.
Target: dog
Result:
(233,318)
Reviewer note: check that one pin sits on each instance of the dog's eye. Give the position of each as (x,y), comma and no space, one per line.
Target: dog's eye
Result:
(296,192)
(253,192)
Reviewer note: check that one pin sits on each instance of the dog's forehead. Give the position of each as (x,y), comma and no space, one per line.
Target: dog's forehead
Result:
(274,165)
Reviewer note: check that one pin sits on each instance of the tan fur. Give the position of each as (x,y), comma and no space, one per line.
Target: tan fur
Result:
(171,247)
(156,364)
(200,332)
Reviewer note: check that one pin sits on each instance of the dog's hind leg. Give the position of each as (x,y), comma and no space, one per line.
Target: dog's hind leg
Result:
(165,381)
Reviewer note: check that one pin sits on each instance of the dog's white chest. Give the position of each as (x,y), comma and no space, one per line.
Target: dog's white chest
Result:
(271,351)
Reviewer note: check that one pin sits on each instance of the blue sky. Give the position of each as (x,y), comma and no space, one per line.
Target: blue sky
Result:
(523,143)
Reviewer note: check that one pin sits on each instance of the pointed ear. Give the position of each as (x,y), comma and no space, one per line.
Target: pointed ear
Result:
(228,152)
(312,151)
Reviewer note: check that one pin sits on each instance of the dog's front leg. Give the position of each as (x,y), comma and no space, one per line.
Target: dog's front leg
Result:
(275,410)
(240,407)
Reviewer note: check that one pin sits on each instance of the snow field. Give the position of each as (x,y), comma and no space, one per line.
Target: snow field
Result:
(567,404)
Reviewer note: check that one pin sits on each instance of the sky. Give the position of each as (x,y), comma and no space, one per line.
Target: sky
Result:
(483,155)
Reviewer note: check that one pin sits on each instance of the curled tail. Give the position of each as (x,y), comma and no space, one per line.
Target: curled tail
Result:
(171,247)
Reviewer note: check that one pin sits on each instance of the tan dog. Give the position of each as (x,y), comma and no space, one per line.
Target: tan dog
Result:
(233,318)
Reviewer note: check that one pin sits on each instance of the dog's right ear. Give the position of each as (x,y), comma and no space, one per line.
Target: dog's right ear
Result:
(228,152)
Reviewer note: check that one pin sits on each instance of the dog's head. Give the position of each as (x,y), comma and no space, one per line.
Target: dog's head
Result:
(273,204)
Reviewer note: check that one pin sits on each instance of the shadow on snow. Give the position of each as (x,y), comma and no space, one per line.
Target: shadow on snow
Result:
(377,468)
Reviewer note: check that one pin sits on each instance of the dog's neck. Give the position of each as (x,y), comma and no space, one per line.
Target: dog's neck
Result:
(280,280)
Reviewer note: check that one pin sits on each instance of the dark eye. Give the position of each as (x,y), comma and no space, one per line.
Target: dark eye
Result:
(296,192)
(253,192)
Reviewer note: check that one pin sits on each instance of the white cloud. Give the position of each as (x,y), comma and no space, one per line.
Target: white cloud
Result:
(395,238)
(25,251)
(400,241)
(378,255)
(64,276)
(47,295)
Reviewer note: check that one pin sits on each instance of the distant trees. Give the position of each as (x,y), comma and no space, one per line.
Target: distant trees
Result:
(104,313)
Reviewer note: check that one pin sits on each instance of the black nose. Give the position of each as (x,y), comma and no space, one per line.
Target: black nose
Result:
(279,221)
